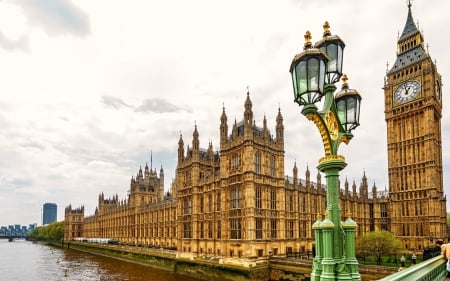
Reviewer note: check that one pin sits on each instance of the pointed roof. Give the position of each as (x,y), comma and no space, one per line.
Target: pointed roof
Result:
(223,117)
(409,54)
(410,27)
(279,116)
(195,134)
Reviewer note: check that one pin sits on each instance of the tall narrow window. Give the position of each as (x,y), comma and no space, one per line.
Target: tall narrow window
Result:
(235,162)
(273,229)
(202,204)
(219,202)
(273,199)
(258,163)
(210,229)
(272,166)
(236,198)
(383,210)
(187,230)
(258,228)
(236,228)
(187,206)
(210,203)
(219,229)
(290,229)
(291,202)
(258,198)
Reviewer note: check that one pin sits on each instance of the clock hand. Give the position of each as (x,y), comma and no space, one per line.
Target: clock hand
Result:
(407,90)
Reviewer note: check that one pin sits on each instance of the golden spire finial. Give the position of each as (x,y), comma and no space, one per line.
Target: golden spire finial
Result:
(349,214)
(327,214)
(307,40)
(319,216)
(344,81)
(326,29)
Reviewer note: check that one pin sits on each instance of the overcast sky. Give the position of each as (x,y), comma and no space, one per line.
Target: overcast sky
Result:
(89,88)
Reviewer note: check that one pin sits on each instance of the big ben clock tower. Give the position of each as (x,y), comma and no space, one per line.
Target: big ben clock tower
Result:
(413,106)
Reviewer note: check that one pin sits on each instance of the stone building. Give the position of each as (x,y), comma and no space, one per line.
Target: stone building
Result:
(413,111)
(237,202)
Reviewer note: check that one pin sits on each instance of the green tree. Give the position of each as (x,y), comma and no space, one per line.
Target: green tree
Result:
(378,244)
(53,231)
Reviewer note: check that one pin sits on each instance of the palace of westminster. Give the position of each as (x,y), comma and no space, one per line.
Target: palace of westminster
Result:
(237,201)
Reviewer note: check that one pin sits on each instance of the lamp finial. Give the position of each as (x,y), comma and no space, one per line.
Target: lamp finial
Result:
(349,214)
(344,81)
(308,43)
(326,29)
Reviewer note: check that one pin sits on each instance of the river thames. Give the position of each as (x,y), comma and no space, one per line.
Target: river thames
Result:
(29,261)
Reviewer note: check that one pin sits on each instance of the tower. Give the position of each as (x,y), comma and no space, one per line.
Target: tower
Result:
(413,106)
(49,213)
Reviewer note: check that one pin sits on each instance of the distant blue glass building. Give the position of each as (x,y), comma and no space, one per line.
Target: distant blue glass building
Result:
(49,213)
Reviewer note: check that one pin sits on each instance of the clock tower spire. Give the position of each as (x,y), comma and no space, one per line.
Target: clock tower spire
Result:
(413,109)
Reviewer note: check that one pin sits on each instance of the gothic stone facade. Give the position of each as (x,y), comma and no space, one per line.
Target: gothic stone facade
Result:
(235,202)
(238,202)
(413,110)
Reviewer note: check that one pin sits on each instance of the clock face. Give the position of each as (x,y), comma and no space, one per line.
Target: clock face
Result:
(407,91)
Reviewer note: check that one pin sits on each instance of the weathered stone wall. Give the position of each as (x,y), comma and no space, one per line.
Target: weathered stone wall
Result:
(218,270)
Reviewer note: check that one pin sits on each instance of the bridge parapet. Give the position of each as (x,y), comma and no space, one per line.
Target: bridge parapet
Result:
(434,269)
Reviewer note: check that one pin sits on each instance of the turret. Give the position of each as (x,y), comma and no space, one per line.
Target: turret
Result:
(374,191)
(354,188)
(235,130)
(319,179)
(364,189)
(346,184)
(265,129)
(161,181)
(146,171)
(195,145)
(223,128)
(140,175)
(280,128)
(295,172)
(248,117)
(210,151)
(307,176)
(180,150)
(195,140)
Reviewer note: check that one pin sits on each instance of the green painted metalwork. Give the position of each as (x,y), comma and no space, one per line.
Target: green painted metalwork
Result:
(434,269)
(335,241)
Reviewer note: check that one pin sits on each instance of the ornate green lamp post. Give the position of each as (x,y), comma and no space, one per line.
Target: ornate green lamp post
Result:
(314,74)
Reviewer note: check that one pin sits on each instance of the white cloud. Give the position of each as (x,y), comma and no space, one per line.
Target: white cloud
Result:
(113,102)
(64,140)
(14,44)
(56,17)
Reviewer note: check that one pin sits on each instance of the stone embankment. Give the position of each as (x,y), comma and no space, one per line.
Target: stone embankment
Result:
(214,268)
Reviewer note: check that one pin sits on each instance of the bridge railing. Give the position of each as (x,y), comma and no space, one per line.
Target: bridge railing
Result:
(434,269)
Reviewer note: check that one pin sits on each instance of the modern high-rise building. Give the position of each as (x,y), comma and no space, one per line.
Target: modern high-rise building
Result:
(49,213)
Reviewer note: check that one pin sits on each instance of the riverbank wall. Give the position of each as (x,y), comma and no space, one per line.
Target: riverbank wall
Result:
(214,268)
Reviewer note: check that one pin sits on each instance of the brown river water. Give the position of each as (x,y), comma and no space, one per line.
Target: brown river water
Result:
(22,260)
